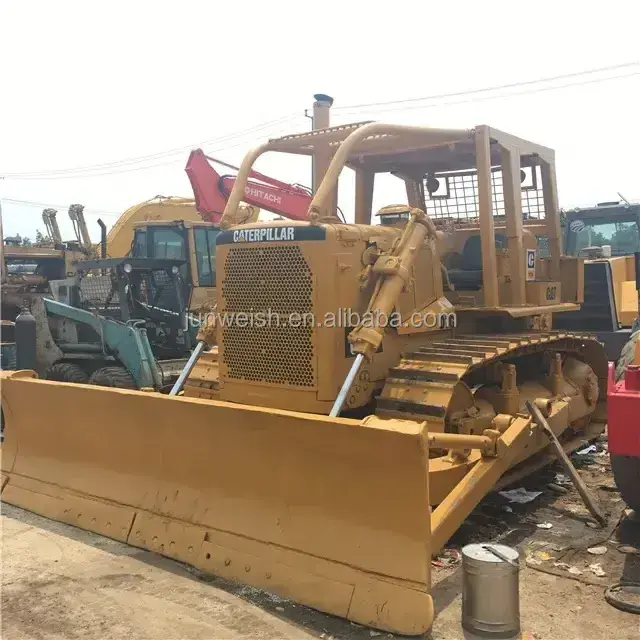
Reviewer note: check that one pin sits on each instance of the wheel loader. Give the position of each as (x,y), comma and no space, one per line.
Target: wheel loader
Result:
(608,237)
(325,453)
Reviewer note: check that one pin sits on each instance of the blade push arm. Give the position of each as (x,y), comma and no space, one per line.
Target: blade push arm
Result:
(394,271)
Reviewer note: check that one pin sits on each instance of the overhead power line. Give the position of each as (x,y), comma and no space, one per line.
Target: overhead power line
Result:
(501,87)
(494,97)
(128,169)
(59,207)
(438,100)
(153,156)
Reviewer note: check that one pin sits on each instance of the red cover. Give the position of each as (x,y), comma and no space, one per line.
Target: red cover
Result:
(623,412)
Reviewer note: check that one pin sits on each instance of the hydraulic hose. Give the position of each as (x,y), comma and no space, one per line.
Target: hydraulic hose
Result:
(611,596)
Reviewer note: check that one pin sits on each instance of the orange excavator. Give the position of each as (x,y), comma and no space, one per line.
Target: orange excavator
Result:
(211,190)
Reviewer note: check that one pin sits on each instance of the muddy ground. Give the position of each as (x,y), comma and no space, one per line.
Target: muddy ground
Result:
(60,582)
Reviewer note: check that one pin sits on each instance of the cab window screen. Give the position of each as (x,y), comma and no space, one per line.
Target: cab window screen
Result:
(169,243)
(623,237)
(205,240)
(140,244)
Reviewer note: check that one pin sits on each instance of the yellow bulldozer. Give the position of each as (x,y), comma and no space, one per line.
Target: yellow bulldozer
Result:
(370,384)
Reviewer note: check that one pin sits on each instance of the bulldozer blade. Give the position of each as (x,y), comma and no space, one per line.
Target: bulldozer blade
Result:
(330,512)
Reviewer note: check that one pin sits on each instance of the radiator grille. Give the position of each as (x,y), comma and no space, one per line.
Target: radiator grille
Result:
(276,281)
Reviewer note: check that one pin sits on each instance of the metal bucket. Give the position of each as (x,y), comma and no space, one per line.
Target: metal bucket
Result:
(490,593)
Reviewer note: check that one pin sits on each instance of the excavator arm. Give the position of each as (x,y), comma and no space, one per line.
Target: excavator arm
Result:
(211,190)
(76,214)
(51,224)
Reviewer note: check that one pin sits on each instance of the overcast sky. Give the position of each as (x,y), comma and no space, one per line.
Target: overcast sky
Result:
(93,83)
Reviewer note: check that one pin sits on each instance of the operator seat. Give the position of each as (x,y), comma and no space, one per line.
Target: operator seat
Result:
(467,276)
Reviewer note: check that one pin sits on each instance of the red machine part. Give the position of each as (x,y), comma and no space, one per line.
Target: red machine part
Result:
(211,190)
(623,409)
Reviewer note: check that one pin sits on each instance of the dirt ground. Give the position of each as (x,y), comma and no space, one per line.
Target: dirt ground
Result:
(61,582)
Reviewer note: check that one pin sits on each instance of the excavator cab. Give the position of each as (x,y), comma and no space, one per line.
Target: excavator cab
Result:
(192,242)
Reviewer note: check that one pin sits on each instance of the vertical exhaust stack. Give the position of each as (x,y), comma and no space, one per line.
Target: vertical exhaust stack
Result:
(3,266)
(321,111)
(322,155)
(103,238)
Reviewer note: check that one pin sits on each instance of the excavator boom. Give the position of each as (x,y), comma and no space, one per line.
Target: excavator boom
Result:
(211,190)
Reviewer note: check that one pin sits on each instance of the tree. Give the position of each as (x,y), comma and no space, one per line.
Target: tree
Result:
(625,239)
(41,238)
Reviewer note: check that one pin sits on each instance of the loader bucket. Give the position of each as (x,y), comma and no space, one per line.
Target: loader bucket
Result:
(332,513)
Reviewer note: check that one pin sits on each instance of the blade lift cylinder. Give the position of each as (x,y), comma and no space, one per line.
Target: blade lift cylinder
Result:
(394,271)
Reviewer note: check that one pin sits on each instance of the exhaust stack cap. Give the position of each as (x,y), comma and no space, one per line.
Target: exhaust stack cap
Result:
(323,98)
